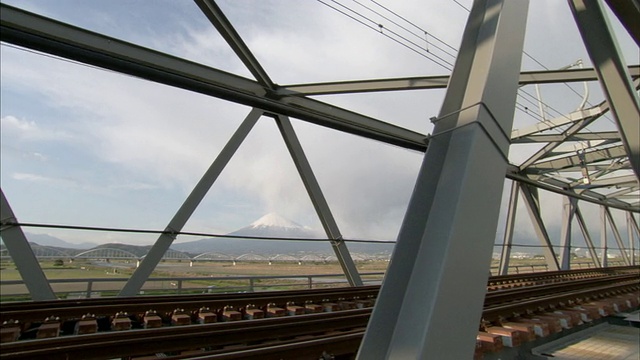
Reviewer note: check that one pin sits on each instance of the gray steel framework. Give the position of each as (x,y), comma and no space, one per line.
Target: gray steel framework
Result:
(632,225)
(142,273)
(453,212)
(593,166)
(22,255)
(39,33)
(612,72)
(436,82)
(604,258)
(503,266)
(616,235)
(35,32)
(587,238)
(319,202)
(569,211)
(532,203)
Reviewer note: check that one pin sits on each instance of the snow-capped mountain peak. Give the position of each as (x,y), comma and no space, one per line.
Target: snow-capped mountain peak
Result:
(274,220)
(274,225)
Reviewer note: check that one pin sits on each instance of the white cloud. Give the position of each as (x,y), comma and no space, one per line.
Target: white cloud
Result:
(153,137)
(37,178)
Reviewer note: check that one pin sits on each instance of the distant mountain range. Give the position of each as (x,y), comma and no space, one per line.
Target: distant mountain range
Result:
(273,226)
(48,240)
(267,227)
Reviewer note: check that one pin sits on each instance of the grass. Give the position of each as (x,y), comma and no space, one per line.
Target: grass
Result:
(84,269)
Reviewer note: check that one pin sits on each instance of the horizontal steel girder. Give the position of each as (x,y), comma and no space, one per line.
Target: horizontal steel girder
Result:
(574,160)
(590,136)
(435,82)
(43,34)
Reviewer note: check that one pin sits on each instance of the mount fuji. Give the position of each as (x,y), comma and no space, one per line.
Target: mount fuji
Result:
(269,226)
(273,225)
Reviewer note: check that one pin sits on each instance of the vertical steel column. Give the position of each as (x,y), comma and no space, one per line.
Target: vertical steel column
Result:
(569,210)
(22,254)
(612,72)
(142,273)
(631,225)
(508,229)
(603,236)
(616,235)
(438,271)
(533,207)
(319,202)
(587,238)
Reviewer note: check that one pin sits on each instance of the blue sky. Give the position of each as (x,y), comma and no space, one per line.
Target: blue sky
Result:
(84,146)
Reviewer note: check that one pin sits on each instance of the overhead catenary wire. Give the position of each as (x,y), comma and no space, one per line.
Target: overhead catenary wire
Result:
(546,68)
(520,106)
(8,224)
(380,28)
(421,30)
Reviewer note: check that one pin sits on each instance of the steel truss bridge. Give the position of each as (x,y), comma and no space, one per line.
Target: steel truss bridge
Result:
(452,215)
(49,253)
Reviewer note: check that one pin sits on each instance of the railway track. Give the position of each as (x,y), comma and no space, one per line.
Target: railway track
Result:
(338,327)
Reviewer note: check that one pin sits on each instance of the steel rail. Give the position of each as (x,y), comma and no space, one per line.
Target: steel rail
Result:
(342,344)
(37,311)
(496,313)
(74,309)
(141,342)
(182,338)
(516,294)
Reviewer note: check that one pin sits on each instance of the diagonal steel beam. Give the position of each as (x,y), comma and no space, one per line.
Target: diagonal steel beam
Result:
(628,12)
(569,209)
(573,161)
(533,207)
(559,187)
(616,235)
(587,238)
(505,257)
(590,136)
(179,220)
(550,124)
(319,202)
(612,72)
(453,213)
(22,254)
(632,225)
(39,33)
(549,147)
(224,27)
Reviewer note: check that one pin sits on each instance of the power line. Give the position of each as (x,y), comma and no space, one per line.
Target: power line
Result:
(426,33)
(413,24)
(380,28)
(462,6)
(7,224)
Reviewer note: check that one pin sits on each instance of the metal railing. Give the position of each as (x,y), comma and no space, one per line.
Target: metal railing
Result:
(92,287)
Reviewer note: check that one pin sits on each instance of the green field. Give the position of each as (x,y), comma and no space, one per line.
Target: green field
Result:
(207,272)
